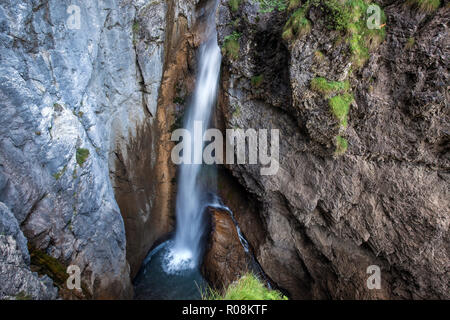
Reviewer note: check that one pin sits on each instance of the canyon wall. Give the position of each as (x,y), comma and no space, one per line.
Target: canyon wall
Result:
(83,171)
(86,116)
(368,189)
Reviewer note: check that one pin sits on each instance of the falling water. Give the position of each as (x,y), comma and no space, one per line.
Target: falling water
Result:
(190,203)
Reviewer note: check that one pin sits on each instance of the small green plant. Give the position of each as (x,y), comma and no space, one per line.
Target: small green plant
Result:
(237,111)
(234,5)
(340,106)
(59,174)
(293,4)
(326,87)
(82,155)
(135,27)
(231,45)
(267,6)
(318,56)
(410,43)
(248,287)
(257,80)
(341,145)
(297,25)
(426,5)
(23,296)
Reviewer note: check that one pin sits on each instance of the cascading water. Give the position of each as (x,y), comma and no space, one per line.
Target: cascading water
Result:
(171,270)
(190,203)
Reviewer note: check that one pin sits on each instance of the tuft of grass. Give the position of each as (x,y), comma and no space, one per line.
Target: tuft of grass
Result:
(231,45)
(248,287)
(340,106)
(341,145)
(297,25)
(82,155)
(267,6)
(257,80)
(234,5)
(59,174)
(326,87)
(23,296)
(135,27)
(426,5)
(318,56)
(294,4)
(237,111)
(410,43)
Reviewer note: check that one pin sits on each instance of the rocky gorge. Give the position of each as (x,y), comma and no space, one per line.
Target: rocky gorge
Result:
(87,112)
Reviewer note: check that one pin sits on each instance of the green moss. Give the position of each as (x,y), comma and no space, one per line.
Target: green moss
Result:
(234,5)
(45,264)
(266,6)
(350,17)
(340,106)
(318,56)
(59,174)
(326,87)
(23,296)
(231,45)
(237,111)
(410,43)
(82,155)
(136,27)
(341,145)
(293,4)
(426,5)
(257,80)
(248,287)
(179,100)
(297,25)
(235,22)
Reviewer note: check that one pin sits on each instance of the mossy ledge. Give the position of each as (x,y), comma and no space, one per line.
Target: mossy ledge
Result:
(231,46)
(347,16)
(44,264)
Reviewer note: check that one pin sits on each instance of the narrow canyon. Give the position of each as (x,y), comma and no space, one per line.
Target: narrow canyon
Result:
(89,102)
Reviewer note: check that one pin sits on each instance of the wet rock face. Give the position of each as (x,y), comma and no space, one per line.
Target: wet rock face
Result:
(385,200)
(64,91)
(85,129)
(18,282)
(225,259)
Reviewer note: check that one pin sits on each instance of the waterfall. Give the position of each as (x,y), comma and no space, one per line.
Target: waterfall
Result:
(190,202)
